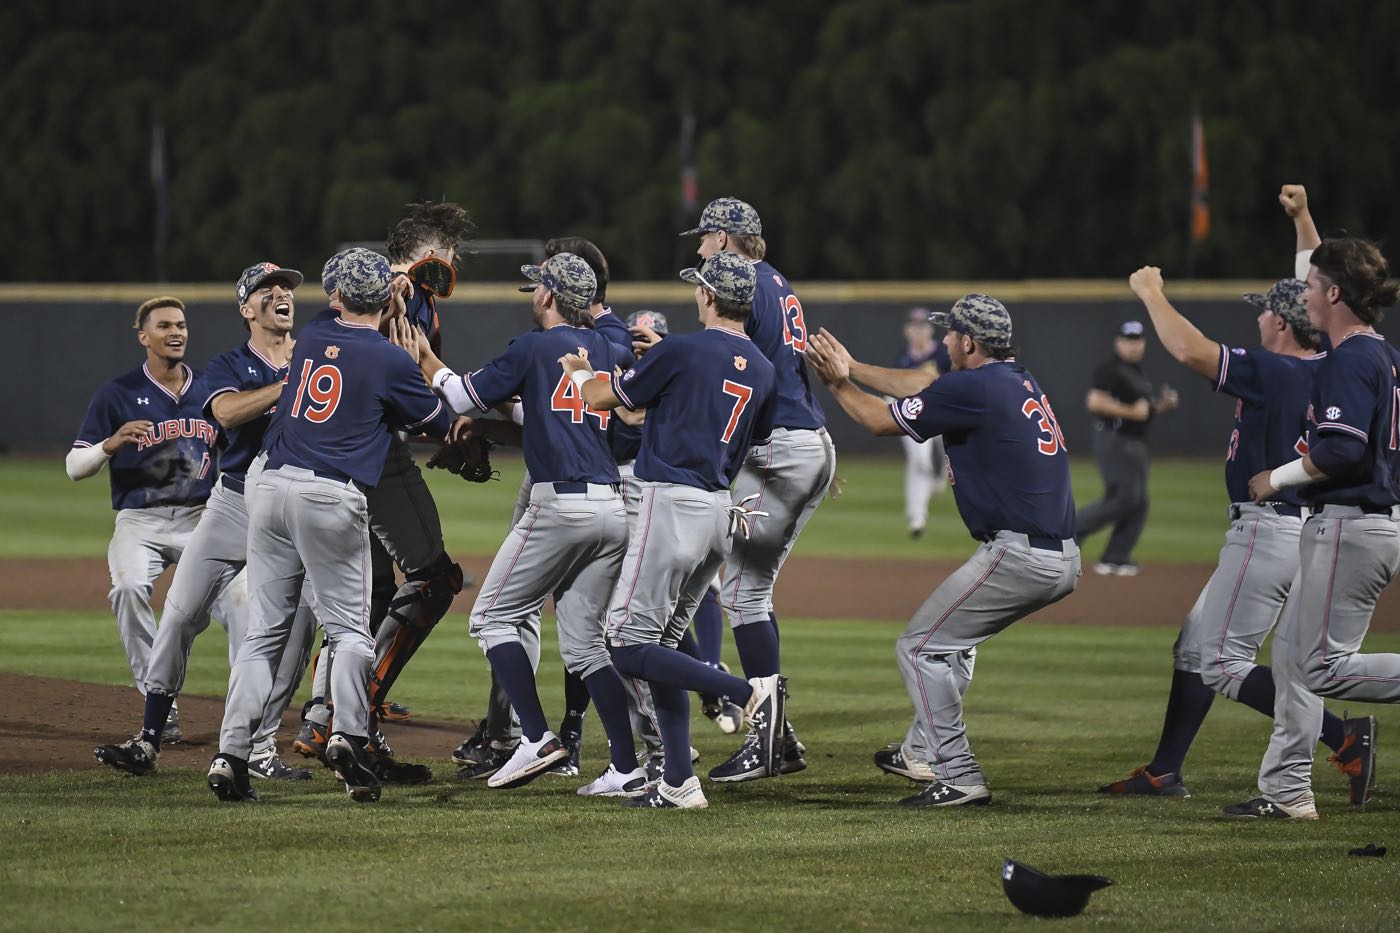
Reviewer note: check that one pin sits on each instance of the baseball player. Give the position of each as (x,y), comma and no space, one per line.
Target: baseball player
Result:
(1349,477)
(925,465)
(707,396)
(785,478)
(1010,475)
(570,541)
(162,451)
(240,388)
(309,517)
(422,249)
(1216,650)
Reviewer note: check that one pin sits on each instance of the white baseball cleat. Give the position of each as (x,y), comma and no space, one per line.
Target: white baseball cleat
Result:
(663,796)
(613,783)
(531,759)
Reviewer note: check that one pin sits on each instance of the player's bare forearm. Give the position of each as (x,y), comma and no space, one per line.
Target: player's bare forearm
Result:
(899,383)
(634,419)
(599,396)
(1183,340)
(1104,405)
(235,408)
(867,410)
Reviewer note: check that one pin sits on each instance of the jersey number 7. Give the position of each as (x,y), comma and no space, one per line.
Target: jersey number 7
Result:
(741,394)
(320,390)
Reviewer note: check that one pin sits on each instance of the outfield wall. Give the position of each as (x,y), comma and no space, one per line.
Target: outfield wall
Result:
(66,341)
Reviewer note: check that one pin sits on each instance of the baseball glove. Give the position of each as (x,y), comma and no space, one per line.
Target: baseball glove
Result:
(469,458)
(434,276)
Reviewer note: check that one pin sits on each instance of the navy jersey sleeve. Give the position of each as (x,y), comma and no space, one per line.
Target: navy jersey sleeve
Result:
(502,378)
(610,326)
(217,380)
(98,424)
(1244,374)
(643,383)
(1346,394)
(949,404)
(410,401)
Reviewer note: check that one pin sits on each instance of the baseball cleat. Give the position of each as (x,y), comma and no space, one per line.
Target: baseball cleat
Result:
(531,759)
(1356,759)
(353,765)
(1143,783)
(793,758)
(892,760)
(172,732)
(655,762)
(663,796)
(724,712)
(938,794)
(273,768)
(613,783)
(766,714)
(134,756)
(473,748)
(311,741)
(495,755)
(390,770)
(229,782)
(568,767)
(746,764)
(1262,808)
(391,712)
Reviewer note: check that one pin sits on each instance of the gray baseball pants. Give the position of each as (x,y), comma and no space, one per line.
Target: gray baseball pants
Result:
(1242,600)
(303,528)
(1123,462)
(144,543)
(1005,580)
(212,567)
(568,545)
(1346,558)
(790,474)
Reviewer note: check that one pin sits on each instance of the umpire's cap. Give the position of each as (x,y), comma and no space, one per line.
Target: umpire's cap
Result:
(730,215)
(1034,892)
(567,277)
(980,317)
(653,319)
(260,273)
(1285,299)
(727,274)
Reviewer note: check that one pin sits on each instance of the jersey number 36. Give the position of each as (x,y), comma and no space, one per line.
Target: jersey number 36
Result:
(1051,440)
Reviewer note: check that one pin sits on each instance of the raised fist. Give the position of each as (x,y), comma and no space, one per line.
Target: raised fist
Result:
(1294,199)
(1146,281)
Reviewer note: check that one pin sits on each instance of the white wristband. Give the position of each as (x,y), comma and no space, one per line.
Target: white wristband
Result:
(440,378)
(517,413)
(1290,475)
(579,376)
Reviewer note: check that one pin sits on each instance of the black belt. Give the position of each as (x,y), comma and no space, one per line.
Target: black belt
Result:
(572,488)
(232,483)
(1036,541)
(1376,509)
(1282,508)
(330,475)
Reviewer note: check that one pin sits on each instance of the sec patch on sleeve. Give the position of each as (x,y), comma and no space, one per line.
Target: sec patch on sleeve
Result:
(912,406)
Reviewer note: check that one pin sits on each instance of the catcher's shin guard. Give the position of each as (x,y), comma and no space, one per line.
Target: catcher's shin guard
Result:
(423,599)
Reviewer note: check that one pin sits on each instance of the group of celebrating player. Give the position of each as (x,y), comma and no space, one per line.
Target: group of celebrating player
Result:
(661,472)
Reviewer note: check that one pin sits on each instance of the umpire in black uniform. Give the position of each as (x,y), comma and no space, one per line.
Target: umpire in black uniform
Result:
(1123,403)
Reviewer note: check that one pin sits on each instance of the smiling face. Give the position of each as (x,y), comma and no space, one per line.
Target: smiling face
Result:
(1319,294)
(271,308)
(164,334)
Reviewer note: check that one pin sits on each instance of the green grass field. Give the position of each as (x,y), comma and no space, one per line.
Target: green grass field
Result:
(60,518)
(1054,712)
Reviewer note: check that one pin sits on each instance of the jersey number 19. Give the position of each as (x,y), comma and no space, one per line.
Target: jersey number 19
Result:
(320,390)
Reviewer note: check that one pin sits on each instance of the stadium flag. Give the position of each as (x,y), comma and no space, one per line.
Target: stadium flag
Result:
(1200,179)
(160,181)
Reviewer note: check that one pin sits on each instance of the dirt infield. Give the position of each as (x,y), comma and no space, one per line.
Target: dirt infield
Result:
(62,720)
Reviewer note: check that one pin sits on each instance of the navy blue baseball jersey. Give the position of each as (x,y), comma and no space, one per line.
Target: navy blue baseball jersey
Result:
(239,370)
(779,330)
(624,441)
(1007,459)
(347,388)
(565,440)
(709,397)
(1271,414)
(174,463)
(936,358)
(615,330)
(1358,394)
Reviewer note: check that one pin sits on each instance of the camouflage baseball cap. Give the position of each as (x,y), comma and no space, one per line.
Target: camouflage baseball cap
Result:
(259,273)
(980,317)
(567,277)
(730,215)
(653,319)
(727,274)
(1285,299)
(362,275)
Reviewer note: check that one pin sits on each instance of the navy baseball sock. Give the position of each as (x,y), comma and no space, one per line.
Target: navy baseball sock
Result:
(512,667)
(1257,690)
(709,628)
(576,695)
(1187,707)
(673,719)
(758,648)
(610,696)
(157,711)
(668,666)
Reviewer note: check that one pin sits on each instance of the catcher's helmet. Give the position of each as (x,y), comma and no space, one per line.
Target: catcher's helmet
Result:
(1035,892)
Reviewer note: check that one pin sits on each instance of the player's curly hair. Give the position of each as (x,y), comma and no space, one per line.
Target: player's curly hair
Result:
(1361,273)
(164,301)
(589,253)
(429,224)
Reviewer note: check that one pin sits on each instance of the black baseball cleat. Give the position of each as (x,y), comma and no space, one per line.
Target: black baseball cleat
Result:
(354,766)
(228,779)
(273,768)
(473,748)
(134,756)
(1356,759)
(794,754)
(1262,808)
(494,757)
(746,764)
(390,770)
(568,767)
(938,794)
(1143,783)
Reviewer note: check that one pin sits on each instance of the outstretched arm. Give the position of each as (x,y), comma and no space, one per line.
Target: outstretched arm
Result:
(597,393)
(1294,199)
(898,383)
(832,365)
(1183,340)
